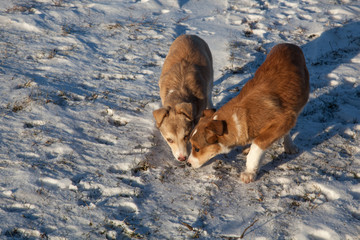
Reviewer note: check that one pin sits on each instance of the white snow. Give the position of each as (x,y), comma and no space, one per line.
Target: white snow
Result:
(81,158)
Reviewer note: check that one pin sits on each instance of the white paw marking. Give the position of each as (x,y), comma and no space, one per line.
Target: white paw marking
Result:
(247,177)
(254,158)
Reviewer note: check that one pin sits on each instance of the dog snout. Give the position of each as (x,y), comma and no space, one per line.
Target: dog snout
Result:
(182,158)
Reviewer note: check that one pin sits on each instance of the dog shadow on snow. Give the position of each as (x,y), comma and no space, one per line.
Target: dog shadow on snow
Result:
(323,55)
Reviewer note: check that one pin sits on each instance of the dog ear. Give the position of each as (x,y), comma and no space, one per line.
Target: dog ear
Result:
(210,137)
(208,112)
(159,115)
(214,129)
(186,109)
(217,126)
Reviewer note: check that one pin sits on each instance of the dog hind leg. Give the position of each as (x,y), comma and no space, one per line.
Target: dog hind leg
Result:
(289,145)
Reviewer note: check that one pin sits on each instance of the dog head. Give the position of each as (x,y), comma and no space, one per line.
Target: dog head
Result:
(205,139)
(175,125)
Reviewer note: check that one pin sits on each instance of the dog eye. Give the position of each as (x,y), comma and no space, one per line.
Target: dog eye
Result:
(169,140)
(196,149)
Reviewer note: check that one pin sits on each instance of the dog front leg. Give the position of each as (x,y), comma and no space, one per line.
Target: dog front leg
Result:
(253,161)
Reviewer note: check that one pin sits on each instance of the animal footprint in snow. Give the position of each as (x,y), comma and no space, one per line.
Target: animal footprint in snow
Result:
(118,121)
(55,183)
(114,119)
(34,123)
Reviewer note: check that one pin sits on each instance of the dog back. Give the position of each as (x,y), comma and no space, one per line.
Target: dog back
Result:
(188,68)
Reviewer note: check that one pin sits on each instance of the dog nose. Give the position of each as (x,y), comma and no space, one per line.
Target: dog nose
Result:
(182,158)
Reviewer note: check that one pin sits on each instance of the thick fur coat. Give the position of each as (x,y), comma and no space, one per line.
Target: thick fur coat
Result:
(265,110)
(185,89)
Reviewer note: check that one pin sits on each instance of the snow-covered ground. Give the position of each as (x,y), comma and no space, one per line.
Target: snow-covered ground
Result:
(80,157)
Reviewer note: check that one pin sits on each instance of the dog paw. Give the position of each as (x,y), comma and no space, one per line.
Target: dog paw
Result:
(246,151)
(247,177)
(289,146)
(291,149)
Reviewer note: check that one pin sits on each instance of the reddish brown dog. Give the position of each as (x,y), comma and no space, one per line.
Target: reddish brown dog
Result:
(265,110)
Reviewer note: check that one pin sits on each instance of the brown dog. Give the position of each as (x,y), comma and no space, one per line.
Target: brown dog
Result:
(185,89)
(265,110)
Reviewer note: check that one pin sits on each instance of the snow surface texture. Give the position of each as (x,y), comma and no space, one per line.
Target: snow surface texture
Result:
(80,157)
